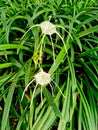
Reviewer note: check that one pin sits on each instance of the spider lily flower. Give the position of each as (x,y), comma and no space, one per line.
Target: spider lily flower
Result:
(41,78)
(48,28)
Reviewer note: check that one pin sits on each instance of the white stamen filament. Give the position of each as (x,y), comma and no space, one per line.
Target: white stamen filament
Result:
(27,88)
(51,89)
(58,88)
(62,41)
(53,49)
(33,93)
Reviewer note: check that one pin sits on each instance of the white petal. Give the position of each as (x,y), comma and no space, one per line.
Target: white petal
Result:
(48,28)
(42,78)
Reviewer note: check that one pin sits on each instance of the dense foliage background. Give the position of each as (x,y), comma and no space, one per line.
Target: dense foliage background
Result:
(76,73)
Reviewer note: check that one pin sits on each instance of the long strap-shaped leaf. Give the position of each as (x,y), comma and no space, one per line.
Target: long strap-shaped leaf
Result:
(14,46)
(9,99)
(88,31)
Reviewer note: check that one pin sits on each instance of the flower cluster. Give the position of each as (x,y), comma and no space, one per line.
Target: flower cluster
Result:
(42,78)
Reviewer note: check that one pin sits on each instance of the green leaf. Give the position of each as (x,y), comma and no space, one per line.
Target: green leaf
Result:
(9,100)
(88,31)
(6,65)
(14,46)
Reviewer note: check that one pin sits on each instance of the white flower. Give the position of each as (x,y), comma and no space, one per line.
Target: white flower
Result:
(42,78)
(48,28)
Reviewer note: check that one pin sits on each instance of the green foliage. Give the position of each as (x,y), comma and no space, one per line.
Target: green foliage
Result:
(69,55)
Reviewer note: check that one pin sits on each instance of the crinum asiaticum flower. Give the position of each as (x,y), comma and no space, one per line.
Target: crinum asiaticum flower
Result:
(41,78)
(48,28)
